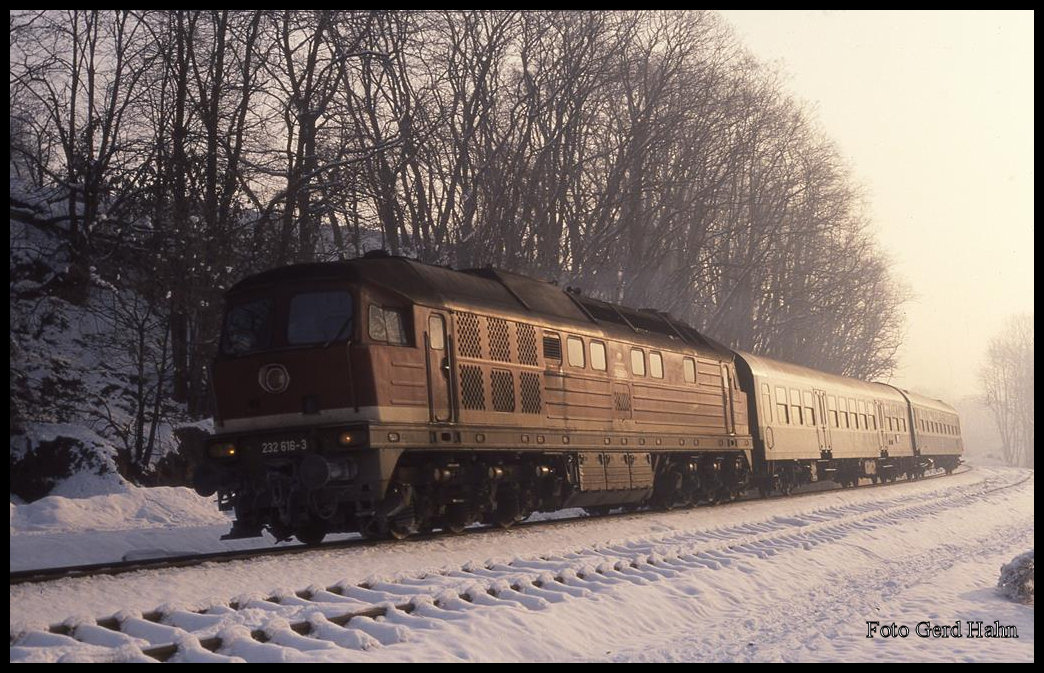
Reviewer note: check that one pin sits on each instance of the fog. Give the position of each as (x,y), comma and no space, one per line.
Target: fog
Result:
(934,112)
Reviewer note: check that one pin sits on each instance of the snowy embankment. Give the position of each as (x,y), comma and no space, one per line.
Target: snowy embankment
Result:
(785,579)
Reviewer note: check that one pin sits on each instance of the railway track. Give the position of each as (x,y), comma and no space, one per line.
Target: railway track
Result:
(320,621)
(189,560)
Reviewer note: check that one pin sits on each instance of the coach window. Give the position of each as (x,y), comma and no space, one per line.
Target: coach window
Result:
(832,408)
(782,413)
(386,325)
(656,365)
(638,362)
(689,370)
(598,356)
(795,407)
(575,348)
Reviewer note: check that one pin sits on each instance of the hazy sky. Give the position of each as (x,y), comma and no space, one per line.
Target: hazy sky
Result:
(933,111)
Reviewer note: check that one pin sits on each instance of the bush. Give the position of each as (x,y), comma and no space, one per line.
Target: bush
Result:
(1016,580)
(35,472)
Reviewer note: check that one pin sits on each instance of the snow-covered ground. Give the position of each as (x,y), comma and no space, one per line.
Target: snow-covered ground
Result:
(793,579)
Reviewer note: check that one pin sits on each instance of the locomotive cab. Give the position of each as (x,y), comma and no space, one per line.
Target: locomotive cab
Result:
(308,364)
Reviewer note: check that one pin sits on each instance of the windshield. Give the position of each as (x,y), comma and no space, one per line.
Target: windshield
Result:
(319,317)
(248,327)
(310,318)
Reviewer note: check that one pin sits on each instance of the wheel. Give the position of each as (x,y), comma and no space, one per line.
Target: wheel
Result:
(311,533)
(398,532)
(507,512)
(456,518)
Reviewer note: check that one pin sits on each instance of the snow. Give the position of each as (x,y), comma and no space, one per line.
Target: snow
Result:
(785,579)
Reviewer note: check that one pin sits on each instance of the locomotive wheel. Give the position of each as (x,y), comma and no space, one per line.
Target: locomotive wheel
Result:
(668,490)
(398,532)
(311,533)
(507,511)
(403,525)
(456,518)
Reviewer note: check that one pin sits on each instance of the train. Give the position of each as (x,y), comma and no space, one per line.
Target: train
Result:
(389,397)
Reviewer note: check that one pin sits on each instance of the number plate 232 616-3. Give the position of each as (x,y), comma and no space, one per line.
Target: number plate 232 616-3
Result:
(284,446)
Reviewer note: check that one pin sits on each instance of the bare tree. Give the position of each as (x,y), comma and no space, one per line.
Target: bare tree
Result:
(82,69)
(641,155)
(1007,378)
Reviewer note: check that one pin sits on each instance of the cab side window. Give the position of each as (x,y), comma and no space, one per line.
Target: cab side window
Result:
(656,365)
(689,370)
(637,362)
(598,356)
(575,349)
(387,325)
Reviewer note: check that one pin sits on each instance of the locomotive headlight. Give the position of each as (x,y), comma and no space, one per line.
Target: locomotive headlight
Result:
(349,438)
(222,450)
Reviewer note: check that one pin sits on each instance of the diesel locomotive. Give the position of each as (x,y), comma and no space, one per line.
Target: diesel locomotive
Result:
(386,396)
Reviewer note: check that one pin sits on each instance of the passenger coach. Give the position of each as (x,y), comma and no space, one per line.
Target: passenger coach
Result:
(810,425)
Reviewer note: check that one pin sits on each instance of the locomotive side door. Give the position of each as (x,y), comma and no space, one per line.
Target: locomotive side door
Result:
(436,342)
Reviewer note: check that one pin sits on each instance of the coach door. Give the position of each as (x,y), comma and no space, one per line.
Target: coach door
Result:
(822,426)
(439,368)
(879,426)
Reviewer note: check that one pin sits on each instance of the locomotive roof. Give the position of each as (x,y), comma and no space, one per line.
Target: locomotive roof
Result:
(489,288)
